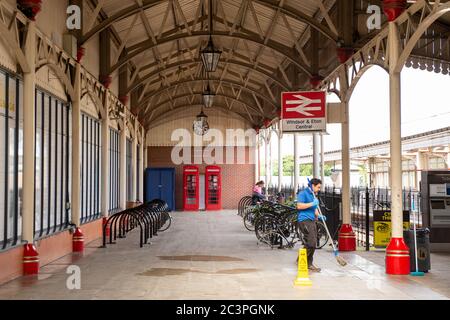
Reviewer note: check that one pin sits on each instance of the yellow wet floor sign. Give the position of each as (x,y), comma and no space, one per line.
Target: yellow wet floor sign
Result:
(302,275)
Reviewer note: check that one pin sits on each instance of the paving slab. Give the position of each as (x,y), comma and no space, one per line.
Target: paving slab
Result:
(212,256)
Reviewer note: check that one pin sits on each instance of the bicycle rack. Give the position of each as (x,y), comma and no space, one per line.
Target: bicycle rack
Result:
(149,218)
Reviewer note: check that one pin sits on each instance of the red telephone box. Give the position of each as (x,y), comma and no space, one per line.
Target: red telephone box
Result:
(213,188)
(191,188)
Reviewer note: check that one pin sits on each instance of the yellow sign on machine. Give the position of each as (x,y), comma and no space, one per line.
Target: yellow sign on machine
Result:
(302,275)
(383,229)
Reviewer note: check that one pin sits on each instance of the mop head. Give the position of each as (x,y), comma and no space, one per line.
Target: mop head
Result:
(417,274)
(340,260)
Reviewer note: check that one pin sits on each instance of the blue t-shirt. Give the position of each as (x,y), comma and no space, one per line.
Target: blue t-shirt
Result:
(306,196)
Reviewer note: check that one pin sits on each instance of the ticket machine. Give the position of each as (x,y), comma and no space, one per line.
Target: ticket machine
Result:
(213,186)
(435,190)
(190,188)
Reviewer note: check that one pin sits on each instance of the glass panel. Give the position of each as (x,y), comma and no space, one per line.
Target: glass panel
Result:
(20,160)
(38,163)
(90,188)
(58,177)
(114,169)
(11,161)
(213,186)
(46,163)
(129,169)
(89,168)
(99,178)
(83,166)
(65,151)
(138,172)
(52,171)
(53,189)
(69,146)
(3,149)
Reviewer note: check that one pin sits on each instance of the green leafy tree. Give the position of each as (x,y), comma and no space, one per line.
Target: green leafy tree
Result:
(328,170)
(306,170)
(363,175)
(275,168)
(288,166)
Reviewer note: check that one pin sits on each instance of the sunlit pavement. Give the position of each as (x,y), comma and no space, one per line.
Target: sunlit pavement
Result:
(212,256)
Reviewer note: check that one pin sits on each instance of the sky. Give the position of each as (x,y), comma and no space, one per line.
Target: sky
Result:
(425,107)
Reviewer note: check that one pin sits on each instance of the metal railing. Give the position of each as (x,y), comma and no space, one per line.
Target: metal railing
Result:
(287,190)
(364,201)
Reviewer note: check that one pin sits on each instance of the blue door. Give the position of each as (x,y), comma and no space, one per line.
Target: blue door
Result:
(168,187)
(160,184)
(152,182)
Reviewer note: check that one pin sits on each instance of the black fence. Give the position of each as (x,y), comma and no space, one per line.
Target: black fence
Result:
(364,202)
(287,190)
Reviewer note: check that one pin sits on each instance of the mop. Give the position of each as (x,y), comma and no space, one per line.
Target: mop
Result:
(416,273)
(339,259)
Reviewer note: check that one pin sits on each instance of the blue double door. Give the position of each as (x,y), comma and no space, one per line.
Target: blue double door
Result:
(160,184)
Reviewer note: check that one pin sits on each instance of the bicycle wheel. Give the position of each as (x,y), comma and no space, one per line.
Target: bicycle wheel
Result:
(271,238)
(322,235)
(168,222)
(249,220)
(262,226)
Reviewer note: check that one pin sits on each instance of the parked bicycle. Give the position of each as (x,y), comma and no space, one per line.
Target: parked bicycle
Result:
(275,224)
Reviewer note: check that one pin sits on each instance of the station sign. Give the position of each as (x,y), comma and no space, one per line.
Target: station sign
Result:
(382,227)
(304,111)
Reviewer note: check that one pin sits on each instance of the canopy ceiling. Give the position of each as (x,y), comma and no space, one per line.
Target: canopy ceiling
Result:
(268,46)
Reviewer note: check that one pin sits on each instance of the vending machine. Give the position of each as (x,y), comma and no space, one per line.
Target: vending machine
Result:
(435,191)
(213,186)
(191,188)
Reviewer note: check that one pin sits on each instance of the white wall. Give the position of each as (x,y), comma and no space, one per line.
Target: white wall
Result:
(52,19)
(217,119)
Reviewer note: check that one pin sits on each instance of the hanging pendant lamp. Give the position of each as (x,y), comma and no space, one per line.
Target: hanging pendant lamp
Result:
(210,55)
(208,97)
(201,126)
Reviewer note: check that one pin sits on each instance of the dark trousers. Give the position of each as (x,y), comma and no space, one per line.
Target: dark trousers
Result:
(308,229)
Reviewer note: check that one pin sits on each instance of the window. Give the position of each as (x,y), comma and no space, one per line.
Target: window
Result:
(408,165)
(382,166)
(52,165)
(11,124)
(114,170)
(437,163)
(90,169)
(138,173)
(129,171)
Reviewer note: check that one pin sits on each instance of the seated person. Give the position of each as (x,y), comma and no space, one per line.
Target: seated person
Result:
(257,194)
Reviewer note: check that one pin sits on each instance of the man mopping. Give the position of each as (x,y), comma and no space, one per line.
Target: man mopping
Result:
(308,214)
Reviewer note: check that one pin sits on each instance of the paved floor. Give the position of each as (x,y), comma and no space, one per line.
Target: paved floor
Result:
(211,256)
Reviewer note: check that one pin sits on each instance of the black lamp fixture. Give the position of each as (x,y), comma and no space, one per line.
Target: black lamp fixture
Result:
(208,97)
(210,55)
(201,126)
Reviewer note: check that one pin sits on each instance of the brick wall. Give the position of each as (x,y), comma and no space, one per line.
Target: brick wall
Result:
(237,179)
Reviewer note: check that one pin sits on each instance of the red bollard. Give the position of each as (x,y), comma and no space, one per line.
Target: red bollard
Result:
(78,241)
(397,257)
(30,260)
(347,238)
